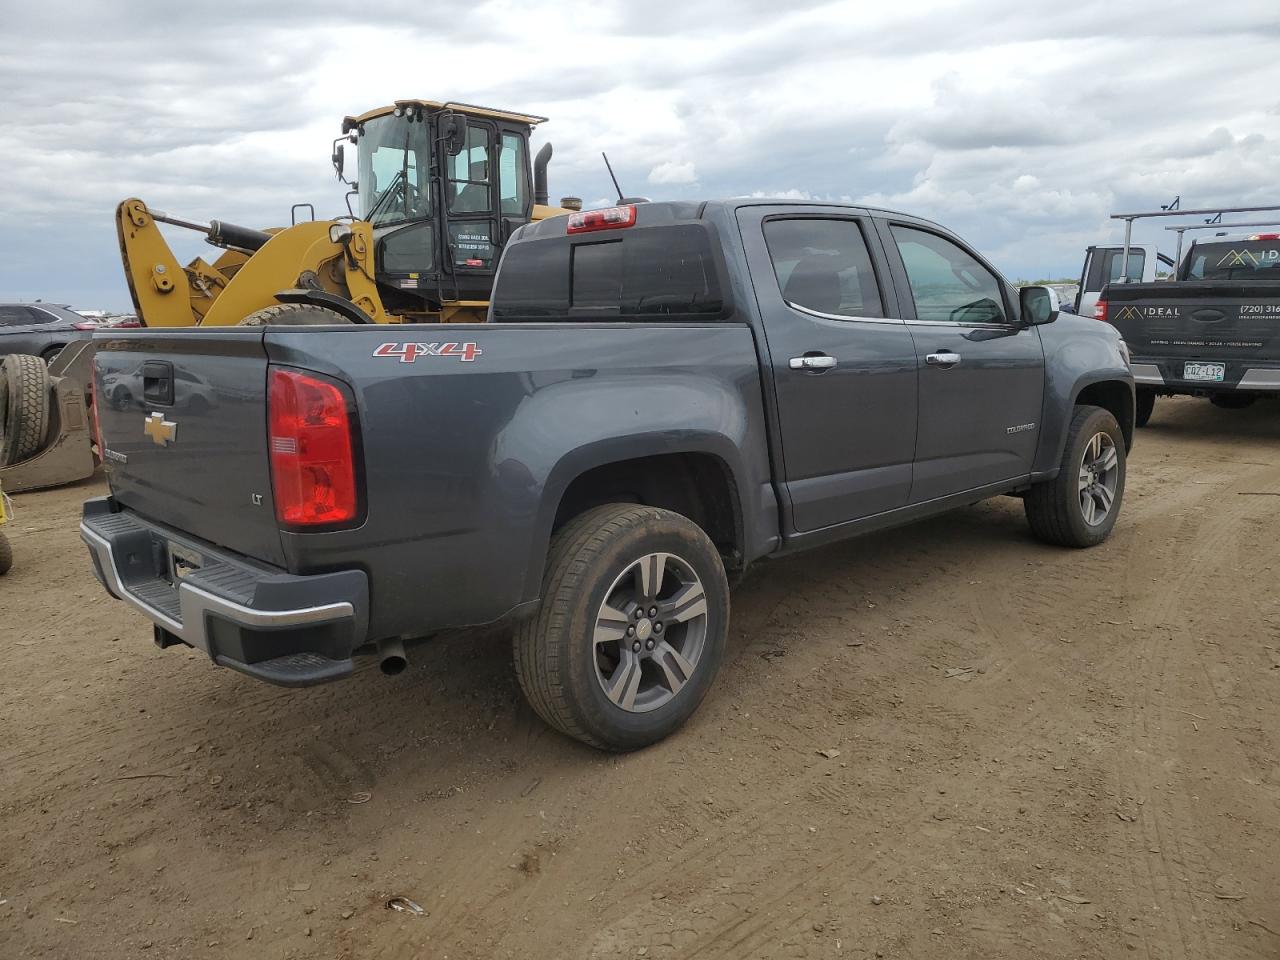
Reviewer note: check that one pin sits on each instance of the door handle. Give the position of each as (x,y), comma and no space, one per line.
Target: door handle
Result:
(943,358)
(813,361)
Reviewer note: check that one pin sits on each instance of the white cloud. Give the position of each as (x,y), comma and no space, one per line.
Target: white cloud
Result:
(673,172)
(1020,125)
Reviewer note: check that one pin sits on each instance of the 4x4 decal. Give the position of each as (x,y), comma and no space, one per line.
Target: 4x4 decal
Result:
(409,352)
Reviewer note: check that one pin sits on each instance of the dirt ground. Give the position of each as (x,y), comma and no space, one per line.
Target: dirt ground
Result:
(1042,753)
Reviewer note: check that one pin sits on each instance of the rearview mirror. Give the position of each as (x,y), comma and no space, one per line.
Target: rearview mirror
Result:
(1039,305)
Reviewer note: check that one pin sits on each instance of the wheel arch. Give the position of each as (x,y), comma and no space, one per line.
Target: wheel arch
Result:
(698,477)
(1116,396)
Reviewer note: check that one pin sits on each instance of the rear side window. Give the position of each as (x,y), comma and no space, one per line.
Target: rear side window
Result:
(1104,267)
(14,316)
(1241,260)
(642,274)
(824,265)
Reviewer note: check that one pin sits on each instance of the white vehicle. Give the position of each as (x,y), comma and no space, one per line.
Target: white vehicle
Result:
(1102,266)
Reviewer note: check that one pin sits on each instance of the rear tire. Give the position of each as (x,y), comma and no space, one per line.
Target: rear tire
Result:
(596,662)
(1078,508)
(293,315)
(27,410)
(1146,404)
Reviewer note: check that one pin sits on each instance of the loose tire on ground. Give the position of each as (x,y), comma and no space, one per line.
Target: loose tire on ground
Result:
(293,314)
(564,655)
(1146,405)
(27,408)
(6,555)
(1056,509)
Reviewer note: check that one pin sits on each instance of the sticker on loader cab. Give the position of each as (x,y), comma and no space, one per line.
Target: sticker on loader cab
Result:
(409,352)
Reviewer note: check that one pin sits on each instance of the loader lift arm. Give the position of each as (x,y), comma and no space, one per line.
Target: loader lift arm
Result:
(333,258)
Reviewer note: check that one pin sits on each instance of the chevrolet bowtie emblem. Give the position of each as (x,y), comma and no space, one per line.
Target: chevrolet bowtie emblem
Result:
(160,430)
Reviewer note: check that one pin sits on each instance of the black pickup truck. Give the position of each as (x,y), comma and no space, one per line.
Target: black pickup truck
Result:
(1214,331)
(664,394)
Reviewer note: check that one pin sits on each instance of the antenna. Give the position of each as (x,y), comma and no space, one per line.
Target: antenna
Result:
(609,167)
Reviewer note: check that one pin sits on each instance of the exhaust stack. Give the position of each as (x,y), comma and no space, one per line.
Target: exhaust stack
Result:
(540,193)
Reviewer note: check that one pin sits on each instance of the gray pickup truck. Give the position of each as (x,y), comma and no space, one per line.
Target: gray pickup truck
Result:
(664,394)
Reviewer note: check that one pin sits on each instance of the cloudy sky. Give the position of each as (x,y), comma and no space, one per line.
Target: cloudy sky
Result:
(1019,123)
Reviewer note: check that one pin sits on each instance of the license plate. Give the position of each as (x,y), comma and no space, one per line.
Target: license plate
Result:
(1212,372)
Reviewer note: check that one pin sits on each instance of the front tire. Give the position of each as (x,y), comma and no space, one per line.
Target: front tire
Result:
(1145,406)
(1078,508)
(631,630)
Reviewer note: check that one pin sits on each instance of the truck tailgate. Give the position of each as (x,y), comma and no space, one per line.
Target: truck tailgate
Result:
(1198,320)
(183,420)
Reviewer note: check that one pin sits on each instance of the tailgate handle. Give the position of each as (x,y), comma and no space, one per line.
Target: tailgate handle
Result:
(157,382)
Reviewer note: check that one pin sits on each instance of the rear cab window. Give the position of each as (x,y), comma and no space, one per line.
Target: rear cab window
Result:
(665,271)
(1238,260)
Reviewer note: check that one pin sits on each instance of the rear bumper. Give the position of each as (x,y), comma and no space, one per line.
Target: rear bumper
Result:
(1164,375)
(288,630)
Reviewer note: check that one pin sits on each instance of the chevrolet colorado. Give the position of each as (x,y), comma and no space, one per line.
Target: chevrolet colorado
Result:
(664,393)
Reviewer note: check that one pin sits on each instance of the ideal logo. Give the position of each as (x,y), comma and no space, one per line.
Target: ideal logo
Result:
(1149,313)
(1249,258)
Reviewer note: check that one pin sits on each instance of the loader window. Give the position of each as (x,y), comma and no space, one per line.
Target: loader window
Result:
(394,170)
(513,176)
(469,174)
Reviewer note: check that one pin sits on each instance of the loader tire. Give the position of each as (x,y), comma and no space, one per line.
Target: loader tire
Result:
(293,315)
(6,555)
(24,380)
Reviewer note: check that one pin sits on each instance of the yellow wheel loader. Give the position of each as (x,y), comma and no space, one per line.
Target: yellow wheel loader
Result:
(441,187)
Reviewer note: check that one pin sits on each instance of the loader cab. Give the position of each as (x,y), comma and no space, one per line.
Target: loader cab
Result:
(443,186)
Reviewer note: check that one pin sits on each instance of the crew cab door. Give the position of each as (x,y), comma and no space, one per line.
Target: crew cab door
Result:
(1102,266)
(981,371)
(842,364)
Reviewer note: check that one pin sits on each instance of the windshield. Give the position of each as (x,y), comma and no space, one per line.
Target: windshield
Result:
(1238,260)
(395,170)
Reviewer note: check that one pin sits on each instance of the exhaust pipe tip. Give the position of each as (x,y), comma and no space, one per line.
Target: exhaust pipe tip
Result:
(392,660)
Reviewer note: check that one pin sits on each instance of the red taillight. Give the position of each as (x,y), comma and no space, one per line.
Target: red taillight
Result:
(84,325)
(610,218)
(312,464)
(1265,236)
(1100,310)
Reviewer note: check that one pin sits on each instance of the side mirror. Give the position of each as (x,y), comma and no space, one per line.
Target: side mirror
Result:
(453,130)
(1039,305)
(340,154)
